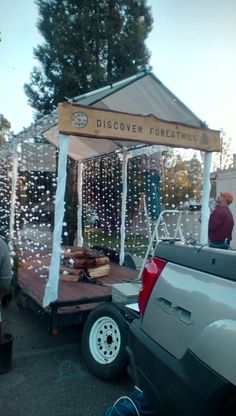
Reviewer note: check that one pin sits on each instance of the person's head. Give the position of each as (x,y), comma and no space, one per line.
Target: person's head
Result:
(225,198)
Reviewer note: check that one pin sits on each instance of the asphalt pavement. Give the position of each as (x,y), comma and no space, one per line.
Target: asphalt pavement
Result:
(48,377)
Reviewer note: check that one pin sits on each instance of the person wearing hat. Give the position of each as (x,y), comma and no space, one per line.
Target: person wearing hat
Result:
(221,222)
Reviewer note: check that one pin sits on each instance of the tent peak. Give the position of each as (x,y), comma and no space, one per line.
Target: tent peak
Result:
(110,86)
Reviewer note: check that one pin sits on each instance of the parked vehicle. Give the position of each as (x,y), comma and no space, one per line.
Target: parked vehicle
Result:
(192,205)
(182,348)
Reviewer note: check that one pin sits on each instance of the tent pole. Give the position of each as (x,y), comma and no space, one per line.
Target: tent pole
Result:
(51,290)
(80,239)
(205,211)
(13,188)
(123,207)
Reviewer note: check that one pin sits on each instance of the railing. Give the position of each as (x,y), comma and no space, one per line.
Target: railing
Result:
(178,235)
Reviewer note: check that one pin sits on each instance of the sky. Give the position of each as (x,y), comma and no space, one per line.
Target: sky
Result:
(193,53)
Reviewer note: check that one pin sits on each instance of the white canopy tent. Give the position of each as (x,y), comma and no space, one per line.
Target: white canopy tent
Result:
(82,131)
(79,121)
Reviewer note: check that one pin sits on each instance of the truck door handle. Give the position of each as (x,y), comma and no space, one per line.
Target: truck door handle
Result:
(183,315)
(164,304)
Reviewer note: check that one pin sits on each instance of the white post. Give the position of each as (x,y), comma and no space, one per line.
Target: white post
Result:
(80,239)
(205,211)
(13,189)
(51,290)
(123,207)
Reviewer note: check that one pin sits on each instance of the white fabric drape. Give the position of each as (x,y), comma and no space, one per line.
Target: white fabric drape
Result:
(123,207)
(51,290)
(205,212)
(80,239)
(13,189)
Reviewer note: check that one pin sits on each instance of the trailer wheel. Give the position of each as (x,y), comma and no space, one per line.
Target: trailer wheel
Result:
(104,341)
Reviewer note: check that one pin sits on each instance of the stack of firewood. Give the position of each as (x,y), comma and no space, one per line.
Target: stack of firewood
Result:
(79,261)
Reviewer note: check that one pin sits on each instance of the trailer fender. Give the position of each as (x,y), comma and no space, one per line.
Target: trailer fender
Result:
(215,346)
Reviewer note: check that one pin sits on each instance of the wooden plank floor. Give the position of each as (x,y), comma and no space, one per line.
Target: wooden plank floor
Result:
(33,275)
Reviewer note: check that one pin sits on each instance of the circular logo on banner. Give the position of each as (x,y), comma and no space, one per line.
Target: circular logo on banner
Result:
(79,120)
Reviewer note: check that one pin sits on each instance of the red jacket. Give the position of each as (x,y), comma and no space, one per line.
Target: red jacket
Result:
(221,224)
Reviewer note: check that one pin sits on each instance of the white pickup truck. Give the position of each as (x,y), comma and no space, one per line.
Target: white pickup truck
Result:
(182,349)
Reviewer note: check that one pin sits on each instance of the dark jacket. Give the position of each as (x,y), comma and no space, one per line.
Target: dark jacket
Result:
(221,224)
(5,265)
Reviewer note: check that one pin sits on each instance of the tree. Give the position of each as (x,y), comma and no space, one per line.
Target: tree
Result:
(88,44)
(4,129)
(224,158)
(183,180)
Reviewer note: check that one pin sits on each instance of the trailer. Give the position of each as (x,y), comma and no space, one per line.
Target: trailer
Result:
(101,304)
(93,301)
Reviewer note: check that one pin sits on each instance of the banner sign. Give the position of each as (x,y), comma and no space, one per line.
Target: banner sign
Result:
(84,121)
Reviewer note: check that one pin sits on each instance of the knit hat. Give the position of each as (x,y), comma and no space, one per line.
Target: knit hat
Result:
(228,197)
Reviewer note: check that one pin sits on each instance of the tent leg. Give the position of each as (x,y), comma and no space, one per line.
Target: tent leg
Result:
(80,204)
(205,211)
(13,189)
(123,207)
(51,290)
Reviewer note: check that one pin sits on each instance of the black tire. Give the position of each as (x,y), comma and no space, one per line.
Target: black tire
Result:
(104,340)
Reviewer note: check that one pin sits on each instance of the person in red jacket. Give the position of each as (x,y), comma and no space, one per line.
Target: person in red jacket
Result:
(221,222)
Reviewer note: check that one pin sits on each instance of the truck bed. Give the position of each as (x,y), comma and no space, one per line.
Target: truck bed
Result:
(221,263)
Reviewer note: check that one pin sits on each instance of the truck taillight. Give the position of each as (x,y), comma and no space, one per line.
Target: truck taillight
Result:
(151,272)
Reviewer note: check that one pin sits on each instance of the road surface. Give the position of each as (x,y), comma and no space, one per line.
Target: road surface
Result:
(48,377)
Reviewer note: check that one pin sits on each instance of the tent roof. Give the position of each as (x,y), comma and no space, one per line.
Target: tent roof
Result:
(142,94)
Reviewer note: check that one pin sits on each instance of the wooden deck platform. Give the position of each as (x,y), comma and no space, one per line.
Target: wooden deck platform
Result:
(33,275)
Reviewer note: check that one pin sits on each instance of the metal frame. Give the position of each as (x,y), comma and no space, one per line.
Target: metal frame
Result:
(57,319)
